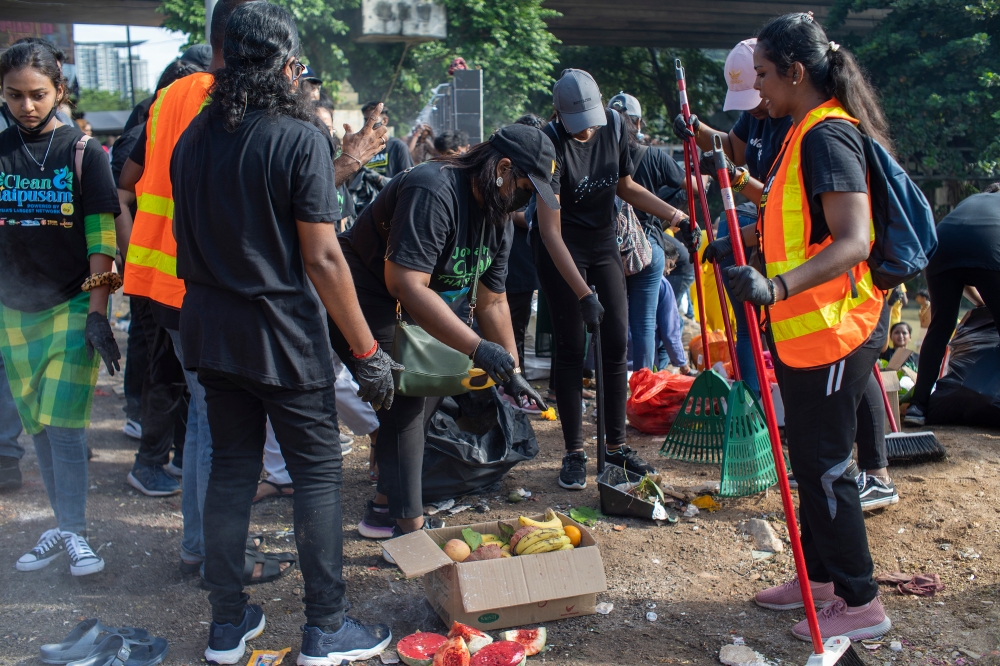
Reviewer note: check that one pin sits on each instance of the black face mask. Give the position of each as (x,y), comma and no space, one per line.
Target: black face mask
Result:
(521,199)
(33,131)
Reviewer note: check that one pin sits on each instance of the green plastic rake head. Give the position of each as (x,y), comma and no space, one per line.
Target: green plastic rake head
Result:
(698,433)
(747,462)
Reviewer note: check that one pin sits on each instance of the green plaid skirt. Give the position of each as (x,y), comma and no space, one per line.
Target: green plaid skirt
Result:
(45,356)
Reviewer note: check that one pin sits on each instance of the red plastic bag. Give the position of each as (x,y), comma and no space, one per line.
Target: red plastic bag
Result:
(656,400)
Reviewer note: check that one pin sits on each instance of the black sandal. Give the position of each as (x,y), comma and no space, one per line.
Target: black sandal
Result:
(271,569)
(284,490)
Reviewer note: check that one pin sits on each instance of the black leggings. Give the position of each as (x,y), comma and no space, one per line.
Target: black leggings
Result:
(946,297)
(872,452)
(596,255)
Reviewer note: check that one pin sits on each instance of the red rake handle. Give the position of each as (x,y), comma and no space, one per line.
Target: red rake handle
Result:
(765,398)
(692,166)
(885,398)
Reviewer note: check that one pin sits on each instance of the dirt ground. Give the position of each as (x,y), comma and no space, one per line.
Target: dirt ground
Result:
(698,574)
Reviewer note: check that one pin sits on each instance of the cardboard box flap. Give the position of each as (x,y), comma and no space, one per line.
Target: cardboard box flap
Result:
(890,380)
(898,358)
(530,579)
(416,553)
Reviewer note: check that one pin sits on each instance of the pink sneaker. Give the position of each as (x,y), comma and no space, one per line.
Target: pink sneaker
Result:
(788,596)
(836,620)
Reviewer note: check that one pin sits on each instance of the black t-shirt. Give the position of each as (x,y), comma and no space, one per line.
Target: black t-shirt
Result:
(656,170)
(763,139)
(434,226)
(394,158)
(250,309)
(969,236)
(43,240)
(833,160)
(123,149)
(586,174)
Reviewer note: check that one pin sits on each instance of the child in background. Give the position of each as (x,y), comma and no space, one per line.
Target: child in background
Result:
(924,300)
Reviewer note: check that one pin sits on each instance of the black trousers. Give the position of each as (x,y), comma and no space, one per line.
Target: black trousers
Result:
(164,392)
(872,453)
(305,424)
(520,315)
(946,297)
(597,257)
(821,409)
(136,363)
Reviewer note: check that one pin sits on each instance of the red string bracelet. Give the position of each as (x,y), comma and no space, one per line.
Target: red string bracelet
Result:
(367,353)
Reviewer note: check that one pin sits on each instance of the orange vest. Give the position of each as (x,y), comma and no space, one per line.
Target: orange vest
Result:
(151,264)
(824,324)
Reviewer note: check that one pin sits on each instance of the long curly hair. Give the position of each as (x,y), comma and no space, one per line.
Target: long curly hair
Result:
(260,40)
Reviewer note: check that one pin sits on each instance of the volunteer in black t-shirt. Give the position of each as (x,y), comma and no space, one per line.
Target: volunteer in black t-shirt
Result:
(802,74)
(575,247)
(57,245)
(416,245)
(255,218)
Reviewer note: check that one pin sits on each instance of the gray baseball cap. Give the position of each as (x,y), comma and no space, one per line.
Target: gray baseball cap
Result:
(625,103)
(578,101)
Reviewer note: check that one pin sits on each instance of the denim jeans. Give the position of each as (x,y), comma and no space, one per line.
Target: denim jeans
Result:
(744,350)
(305,423)
(643,295)
(10,422)
(197,462)
(62,461)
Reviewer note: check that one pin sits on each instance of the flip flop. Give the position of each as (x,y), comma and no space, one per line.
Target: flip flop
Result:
(81,641)
(271,569)
(113,651)
(281,489)
(254,541)
(148,655)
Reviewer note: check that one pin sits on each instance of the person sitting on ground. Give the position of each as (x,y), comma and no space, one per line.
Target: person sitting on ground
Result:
(451,142)
(253,166)
(923,299)
(57,257)
(669,327)
(900,334)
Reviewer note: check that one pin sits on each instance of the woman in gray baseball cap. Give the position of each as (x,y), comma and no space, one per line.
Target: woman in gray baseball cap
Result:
(576,247)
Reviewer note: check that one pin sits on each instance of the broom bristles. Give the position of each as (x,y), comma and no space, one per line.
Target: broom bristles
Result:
(913,447)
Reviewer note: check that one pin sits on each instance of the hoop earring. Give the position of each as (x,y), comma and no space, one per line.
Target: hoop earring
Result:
(499,181)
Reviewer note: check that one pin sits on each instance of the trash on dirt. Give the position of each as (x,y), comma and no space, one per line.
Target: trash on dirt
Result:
(763,535)
(433,508)
(523,493)
(267,657)
(619,528)
(968,554)
(896,646)
(651,616)
(706,503)
(739,640)
(660,513)
(921,585)
(945,546)
(604,608)
(690,511)
(459,509)
(760,555)
(740,655)
(549,414)
(482,507)
(585,515)
(389,657)
(514,497)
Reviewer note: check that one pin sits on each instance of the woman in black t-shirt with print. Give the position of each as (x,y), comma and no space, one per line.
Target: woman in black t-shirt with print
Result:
(575,247)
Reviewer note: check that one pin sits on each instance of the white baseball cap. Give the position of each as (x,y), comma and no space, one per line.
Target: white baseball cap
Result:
(740,76)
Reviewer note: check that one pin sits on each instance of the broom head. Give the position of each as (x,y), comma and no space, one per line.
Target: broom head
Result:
(908,448)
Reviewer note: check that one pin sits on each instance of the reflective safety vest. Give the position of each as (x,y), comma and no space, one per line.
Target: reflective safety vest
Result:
(824,324)
(151,264)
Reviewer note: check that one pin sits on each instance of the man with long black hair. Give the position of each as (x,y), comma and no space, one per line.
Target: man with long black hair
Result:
(255,220)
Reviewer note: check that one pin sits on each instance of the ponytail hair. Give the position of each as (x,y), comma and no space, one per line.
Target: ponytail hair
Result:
(832,69)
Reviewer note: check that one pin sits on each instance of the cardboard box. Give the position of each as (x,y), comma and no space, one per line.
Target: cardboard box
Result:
(891,383)
(499,594)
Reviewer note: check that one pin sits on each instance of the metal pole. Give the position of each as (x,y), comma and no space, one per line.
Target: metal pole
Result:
(209,8)
(131,76)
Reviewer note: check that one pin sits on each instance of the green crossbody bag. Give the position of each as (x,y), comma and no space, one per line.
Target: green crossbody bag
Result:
(432,368)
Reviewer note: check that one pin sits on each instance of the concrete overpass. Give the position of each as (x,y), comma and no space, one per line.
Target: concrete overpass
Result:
(662,23)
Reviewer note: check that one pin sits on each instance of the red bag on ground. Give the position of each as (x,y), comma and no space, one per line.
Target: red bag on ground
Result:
(656,400)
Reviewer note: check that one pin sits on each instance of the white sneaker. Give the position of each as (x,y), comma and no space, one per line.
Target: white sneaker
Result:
(82,560)
(132,429)
(48,548)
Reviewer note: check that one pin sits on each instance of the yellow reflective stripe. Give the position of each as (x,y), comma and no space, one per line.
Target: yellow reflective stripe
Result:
(155,205)
(144,256)
(826,317)
(155,116)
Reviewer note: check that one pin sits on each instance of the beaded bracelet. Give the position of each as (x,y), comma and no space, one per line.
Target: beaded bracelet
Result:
(101,279)
(742,181)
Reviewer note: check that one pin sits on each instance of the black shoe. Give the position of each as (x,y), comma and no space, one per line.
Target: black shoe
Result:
(376,524)
(227,643)
(876,493)
(352,642)
(10,473)
(630,460)
(914,416)
(573,475)
(430,523)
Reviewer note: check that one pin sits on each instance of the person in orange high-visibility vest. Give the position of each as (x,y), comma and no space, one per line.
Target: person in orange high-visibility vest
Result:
(825,319)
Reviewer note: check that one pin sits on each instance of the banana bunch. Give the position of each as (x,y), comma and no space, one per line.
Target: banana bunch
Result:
(492,538)
(543,540)
(551,520)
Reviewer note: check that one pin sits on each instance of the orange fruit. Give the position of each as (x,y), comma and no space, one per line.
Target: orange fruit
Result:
(573,533)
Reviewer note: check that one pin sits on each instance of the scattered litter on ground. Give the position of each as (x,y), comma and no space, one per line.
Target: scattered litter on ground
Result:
(436,507)
(619,528)
(763,535)
(921,585)
(604,608)
(945,546)
(389,657)
(482,507)
(459,509)
(706,503)
(740,655)
(896,646)
(514,497)
(267,657)
(968,554)
(761,555)
(651,616)
(691,511)
(524,493)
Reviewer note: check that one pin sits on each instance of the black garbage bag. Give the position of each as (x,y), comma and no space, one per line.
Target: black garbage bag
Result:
(473,440)
(970,393)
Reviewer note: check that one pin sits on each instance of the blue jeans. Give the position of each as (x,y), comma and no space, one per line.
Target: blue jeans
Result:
(744,350)
(197,463)
(10,421)
(62,461)
(643,293)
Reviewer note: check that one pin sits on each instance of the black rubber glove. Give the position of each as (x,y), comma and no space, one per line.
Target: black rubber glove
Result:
(691,239)
(592,311)
(718,250)
(99,337)
(518,386)
(494,360)
(747,285)
(374,377)
(707,165)
(682,130)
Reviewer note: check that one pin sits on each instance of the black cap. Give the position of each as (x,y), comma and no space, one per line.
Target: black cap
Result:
(199,55)
(532,152)
(309,75)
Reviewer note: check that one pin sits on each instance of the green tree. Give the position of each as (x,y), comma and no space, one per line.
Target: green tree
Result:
(100,100)
(937,66)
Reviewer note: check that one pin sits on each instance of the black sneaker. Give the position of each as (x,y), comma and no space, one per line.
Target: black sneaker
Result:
(49,547)
(376,524)
(83,561)
(10,473)
(914,416)
(573,475)
(629,459)
(352,642)
(876,493)
(227,643)
(430,523)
